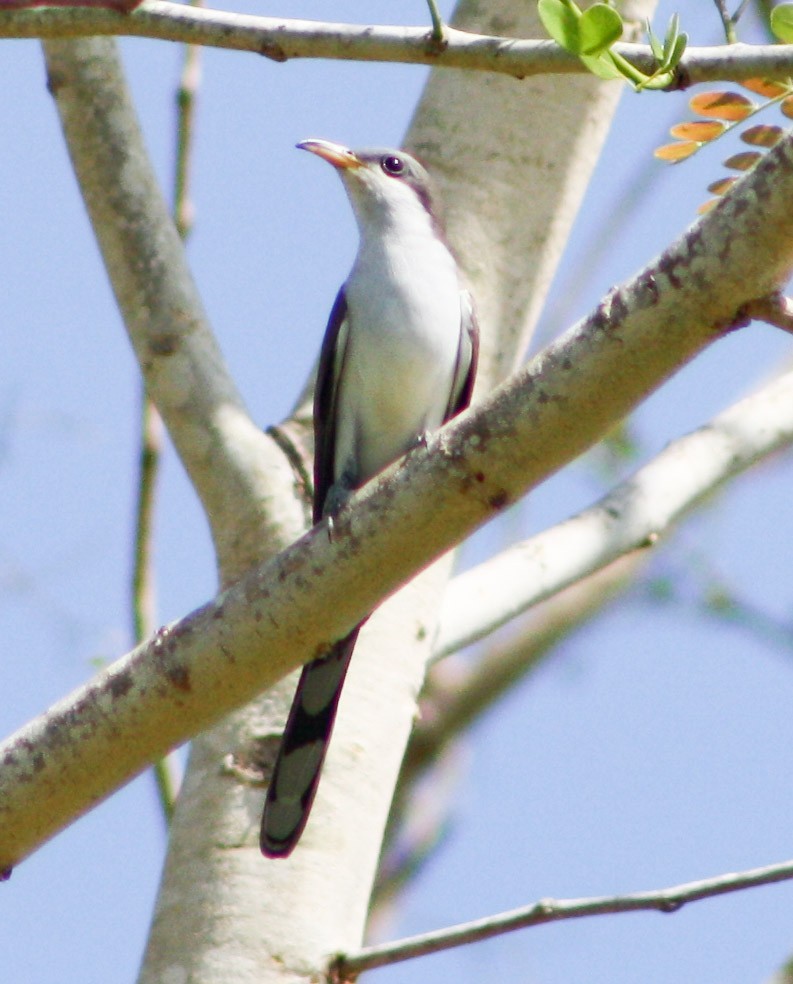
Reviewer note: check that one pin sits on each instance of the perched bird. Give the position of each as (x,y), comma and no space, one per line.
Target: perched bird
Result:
(398,360)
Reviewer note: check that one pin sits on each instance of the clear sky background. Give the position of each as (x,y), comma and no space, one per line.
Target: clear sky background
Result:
(654,748)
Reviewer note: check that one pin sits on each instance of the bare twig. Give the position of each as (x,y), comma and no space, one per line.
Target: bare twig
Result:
(143,605)
(183,208)
(143,596)
(165,768)
(281,40)
(729,20)
(775,309)
(551,910)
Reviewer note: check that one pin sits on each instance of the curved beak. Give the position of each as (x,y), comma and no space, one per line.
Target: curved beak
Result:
(333,153)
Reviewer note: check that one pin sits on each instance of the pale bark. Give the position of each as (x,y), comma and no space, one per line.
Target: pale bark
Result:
(283,39)
(336,861)
(244,482)
(223,911)
(633,516)
(671,310)
(218,444)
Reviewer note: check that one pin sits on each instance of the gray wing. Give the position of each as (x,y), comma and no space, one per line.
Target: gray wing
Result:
(326,392)
(467,358)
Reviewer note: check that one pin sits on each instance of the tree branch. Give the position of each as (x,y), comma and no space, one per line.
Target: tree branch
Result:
(455,706)
(631,516)
(776,310)
(285,611)
(577,566)
(551,910)
(512,257)
(281,40)
(455,696)
(238,472)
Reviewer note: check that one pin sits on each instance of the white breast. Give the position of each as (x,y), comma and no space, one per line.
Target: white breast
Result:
(403,300)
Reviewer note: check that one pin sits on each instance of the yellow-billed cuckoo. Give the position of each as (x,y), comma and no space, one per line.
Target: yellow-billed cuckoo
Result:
(398,360)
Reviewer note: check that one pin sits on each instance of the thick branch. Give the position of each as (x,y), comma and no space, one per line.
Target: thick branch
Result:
(281,40)
(285,611)
(236,469)
(581,562)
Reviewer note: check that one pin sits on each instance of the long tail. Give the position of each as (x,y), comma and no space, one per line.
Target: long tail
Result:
(303,747)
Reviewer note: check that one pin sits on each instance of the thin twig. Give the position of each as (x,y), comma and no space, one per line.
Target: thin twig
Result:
(726,21)
(164,769)
(729,20)
(143,593)
(551,910)
(183,207)
(143,608)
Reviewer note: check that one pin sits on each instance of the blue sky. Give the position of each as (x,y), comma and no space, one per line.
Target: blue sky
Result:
(654,748)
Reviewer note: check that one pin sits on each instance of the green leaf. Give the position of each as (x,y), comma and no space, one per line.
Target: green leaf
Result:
(677,51)
(672,32)
(655,45)
(600,26)
(602,66)
(782,22)
(561,20)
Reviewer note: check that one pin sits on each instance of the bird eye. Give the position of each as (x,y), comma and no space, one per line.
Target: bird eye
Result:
(392,164)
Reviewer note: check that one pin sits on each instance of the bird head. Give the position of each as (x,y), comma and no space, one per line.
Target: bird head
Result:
(385,186)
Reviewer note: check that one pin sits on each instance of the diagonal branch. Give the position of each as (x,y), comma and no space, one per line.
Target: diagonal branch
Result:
(285,611)
(551,910)
(631,516)
(578,565)
(281,40)
(236,469)
(453,707)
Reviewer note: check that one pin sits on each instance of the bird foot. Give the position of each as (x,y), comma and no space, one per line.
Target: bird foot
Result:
(339,494)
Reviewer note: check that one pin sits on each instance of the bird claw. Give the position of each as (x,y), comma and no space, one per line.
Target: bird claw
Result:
(339,494)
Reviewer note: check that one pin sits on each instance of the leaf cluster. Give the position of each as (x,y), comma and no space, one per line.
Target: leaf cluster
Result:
(591,34)
(723,111)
